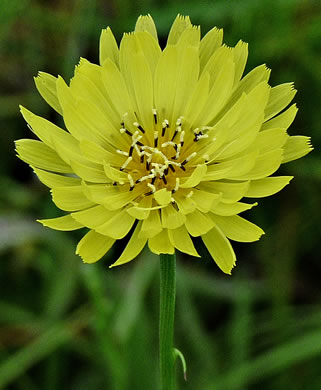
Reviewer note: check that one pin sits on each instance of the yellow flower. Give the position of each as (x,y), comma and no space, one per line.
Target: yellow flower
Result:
(164,143)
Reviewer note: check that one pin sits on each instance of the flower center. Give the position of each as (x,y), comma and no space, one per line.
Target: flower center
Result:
(162,160)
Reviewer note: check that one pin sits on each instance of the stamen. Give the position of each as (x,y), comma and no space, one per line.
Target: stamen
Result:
(126,163)
(190,194)
(139,127)
(131,182)
(122,152)
(153,180)
(181,138)
(189,158)
(155,138)
(131,149)
(155,115)
(152,187)
(145,178)
(171,167)
(176,185)
(179,121)
(178,151)
(165,125)
(168,143)
(164,179)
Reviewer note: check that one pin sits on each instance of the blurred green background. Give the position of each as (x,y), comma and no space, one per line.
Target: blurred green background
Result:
(66,325)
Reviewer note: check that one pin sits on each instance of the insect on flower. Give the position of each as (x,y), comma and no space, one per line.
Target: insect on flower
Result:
(164,143)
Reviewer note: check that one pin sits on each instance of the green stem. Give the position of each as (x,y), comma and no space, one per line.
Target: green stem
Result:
(166,320)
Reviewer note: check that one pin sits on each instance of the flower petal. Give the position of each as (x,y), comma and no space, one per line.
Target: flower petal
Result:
(39,155)
(163,197)
(181,240)
(187,77)
(171,218)
(195,178)
(296,147)
(93,246)
(181,23)
(221,69)
(161,244)
(227,209)
(150,49)
(204,200)
(46,85)
(165,80)
(267,186)
(95,153)
(88,173)
(209,44)
(280,97)
(198,223)
(108,47)
(65,223)
(142,210)
(118,226)
(240,52)
(71,198)
(237,228)
(231,191)
(93,216)
(266,164)
(146,23)
(271,139)
(48,132)
(52,180)
(220,249)
(184,203)
(133,248)
(151,226)
(282,121)
(250,81)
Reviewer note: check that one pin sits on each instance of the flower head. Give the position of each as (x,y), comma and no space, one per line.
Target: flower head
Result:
(164,143)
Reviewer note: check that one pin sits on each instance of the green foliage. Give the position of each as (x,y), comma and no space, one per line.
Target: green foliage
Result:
(66,325)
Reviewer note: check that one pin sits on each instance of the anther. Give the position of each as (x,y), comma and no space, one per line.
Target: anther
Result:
(165,125)
(122,152)
(169,143)
(139,127)
(153,180)
(152,187)
(155,115)
(171,167)
(189,158)
(179,121)
(131,182)
(155,138)
(126,163)
(181,138)
(131,149)
(164,179)
(176,185)
(142,158)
